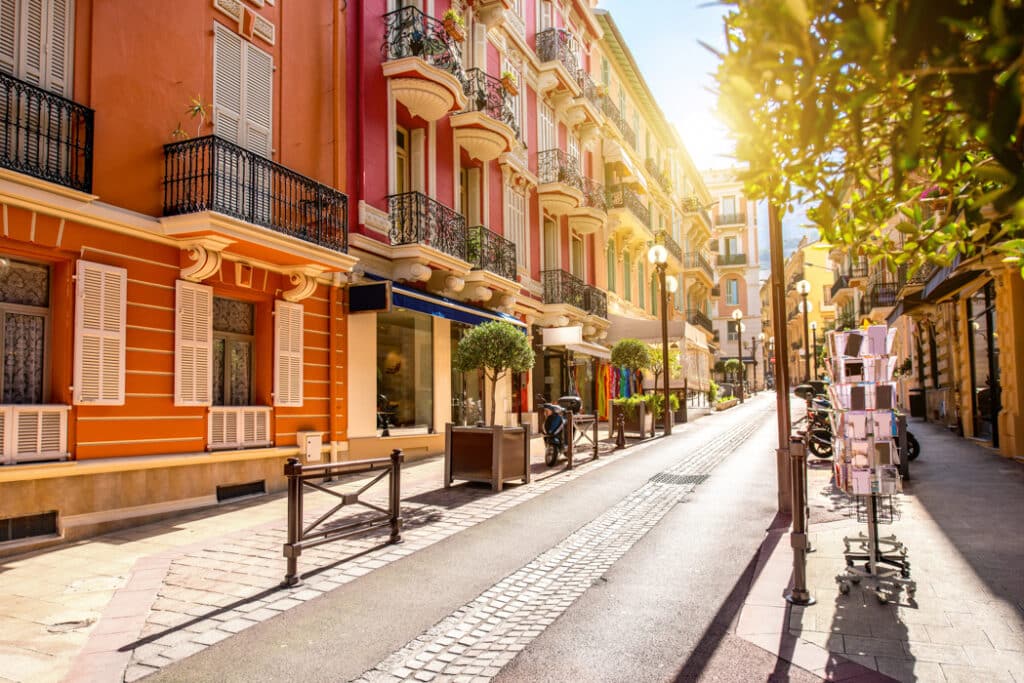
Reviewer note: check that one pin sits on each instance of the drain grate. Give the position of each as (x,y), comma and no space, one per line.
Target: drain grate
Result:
(678,479)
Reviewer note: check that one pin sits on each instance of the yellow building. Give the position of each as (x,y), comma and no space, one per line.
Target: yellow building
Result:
(810,263)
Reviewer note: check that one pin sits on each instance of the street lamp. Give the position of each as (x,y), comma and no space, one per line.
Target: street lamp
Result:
(803,288)
(753,343)
(658,256)
(737,315)
(769,362)
(814,346)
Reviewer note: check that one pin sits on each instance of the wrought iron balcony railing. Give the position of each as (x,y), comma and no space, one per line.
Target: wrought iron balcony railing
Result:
(918,279)
(698,317)
(590,89)
(731,218)
(561,287)
(556,166)
(487,250)
(622,197)
(858,269)
(882,294)
(613,113)
(594,196)
(212,174)
(657,174)
(557,44)
(45,135)
(409,32)
(665,237)
(418,219)
(732,259)
(700,261)
(842,282)
(595,302)
(486,94)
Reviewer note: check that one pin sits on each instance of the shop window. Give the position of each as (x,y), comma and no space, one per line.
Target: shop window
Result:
(405,371)
(468,405)
(25,308)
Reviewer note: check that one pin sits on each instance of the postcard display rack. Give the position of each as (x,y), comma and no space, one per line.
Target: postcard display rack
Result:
(866,458)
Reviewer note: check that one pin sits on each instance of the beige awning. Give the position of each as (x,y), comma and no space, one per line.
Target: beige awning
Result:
(590,349)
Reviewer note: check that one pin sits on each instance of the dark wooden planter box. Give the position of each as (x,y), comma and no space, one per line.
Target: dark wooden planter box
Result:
(492,455)
(637,420)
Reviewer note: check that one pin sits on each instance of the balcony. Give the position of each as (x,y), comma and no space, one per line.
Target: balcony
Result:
(630,214)
(842,282)
(558,51)
(560,184)
(212,174)
(658,175)
(699,262)
(587,108)
(595,302)
(857,271)
(731,219)
(487,127)
(882,295)
(561,287)
(918,279)
(699,318)
(732,260)
(44,135)
(487,250)
(665,238)
(424,64)
(418,219)
(616,117)
(592,212)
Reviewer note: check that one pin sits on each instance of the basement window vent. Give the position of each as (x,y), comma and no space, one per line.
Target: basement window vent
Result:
(236,491)
(29,526)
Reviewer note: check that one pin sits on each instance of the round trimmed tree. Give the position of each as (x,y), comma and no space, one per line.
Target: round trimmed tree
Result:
(495,347)
(631,354)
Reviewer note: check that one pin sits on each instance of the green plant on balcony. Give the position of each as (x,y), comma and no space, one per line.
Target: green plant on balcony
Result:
(510,83)
(196,109)
(454,25)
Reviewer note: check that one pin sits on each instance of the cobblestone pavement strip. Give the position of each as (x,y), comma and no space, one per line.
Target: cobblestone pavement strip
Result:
(475,641)
(212,590)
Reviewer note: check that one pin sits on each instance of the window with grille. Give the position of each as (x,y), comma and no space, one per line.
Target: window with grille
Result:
(233,337)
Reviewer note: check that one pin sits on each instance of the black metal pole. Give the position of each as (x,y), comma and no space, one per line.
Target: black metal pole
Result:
(814,350)
(292,549)
(395,495)
(739,352)
(807,334)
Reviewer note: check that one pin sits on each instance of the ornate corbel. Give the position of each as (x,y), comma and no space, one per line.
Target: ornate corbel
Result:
(304,282)
(206,261)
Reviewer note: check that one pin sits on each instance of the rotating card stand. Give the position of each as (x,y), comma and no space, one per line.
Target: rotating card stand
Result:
(866,463)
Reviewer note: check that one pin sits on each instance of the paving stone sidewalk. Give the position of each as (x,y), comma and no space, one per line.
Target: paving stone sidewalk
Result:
(959,518)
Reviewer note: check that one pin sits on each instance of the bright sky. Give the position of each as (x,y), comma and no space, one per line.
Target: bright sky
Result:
(662,35)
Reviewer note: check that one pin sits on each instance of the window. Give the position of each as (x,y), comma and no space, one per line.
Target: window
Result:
(611,266)
(578,262)
(627,279)
(641,277)
(547,133)
(517,102)
(36,43)
(515,223)
(732,333)
(545,17)
(728,206)
(233,330)
(606,72)
(732,292)
(243,93)
(732,246)
(551,255)
(405,370)
(25,311)
(574,151)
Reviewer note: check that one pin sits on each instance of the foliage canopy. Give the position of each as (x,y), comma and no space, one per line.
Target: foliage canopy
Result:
(898,121)
(631,354)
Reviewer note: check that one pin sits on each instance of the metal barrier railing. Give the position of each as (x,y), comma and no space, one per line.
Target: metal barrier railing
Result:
(577,428)
(301,536)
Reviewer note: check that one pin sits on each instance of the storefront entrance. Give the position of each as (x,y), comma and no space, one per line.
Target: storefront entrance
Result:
(468,388)
(984,350)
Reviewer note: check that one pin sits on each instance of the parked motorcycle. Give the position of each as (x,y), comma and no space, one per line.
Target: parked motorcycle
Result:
(819,425)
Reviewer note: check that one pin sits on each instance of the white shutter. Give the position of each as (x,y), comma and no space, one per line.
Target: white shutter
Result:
(57,72)
(480,45)
(227,84)
(100,309)
(8,31)
(30,50)
(193,344)
(288,329)
(258,100)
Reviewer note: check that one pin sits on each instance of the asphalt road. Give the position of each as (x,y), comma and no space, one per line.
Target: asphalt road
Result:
(660,613)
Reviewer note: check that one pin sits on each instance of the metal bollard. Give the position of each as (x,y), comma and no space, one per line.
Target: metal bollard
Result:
(596,449)
(395,495)
(570,435)
(620,437)
(292,549)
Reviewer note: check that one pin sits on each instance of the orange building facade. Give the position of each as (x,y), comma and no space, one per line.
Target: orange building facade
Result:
(173,256)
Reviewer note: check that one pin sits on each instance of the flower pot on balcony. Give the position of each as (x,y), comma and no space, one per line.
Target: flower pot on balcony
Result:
(454,31)
(510,86)
(492,455)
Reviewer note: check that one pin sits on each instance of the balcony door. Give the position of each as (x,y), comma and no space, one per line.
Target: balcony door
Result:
(552,257)
(579,268)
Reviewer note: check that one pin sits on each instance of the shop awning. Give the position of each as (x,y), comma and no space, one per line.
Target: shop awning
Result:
(614,153)
(590,349)
(649,331)
(441,307)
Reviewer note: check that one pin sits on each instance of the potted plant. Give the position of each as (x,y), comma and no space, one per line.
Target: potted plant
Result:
(636,414)
(633,355)
(454,25)
(510,83)
(491,454)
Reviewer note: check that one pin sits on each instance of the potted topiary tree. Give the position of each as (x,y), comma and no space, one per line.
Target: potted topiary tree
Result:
(633,355)
(493,454)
